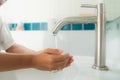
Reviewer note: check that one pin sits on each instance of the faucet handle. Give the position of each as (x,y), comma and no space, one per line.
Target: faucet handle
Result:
(88,6)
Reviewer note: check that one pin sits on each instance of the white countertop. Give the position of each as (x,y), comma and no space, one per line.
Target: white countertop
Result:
(79,70)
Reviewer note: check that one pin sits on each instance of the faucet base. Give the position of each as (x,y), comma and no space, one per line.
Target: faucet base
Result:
(103,68)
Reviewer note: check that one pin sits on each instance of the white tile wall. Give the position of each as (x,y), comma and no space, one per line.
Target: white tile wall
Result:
(36,10)
(74,42)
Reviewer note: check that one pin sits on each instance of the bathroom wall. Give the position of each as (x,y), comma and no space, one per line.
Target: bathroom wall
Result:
(36,10)
(32,10)
(50,11)
(82,44)
(112,9)
(113,41)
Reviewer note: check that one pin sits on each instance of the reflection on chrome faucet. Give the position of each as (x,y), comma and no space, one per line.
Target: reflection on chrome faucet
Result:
(99,20)
(72,20)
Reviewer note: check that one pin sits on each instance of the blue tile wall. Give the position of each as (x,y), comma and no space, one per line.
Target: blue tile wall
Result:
(35,26)
(44,26)
(89,26)
(27,26)
(77,26)
(12,26)
(66,27)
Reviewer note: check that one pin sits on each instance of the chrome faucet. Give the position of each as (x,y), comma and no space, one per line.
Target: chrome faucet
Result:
(99,20)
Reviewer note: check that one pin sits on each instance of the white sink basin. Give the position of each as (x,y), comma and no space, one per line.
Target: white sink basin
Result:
(79,70)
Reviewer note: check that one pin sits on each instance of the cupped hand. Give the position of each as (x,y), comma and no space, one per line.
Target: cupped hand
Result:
(51,59)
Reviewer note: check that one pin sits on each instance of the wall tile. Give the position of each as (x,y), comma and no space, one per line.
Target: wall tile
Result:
(27,26)
(44,26)
(76,26)
(12,26)
(36,26)
(89,26)
(66,27)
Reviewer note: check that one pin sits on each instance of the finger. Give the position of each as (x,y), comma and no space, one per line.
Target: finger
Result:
(60,65)
(70,61)
(53,51)
(59,58)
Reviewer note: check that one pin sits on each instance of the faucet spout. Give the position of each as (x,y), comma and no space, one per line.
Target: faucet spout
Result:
(72,20)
